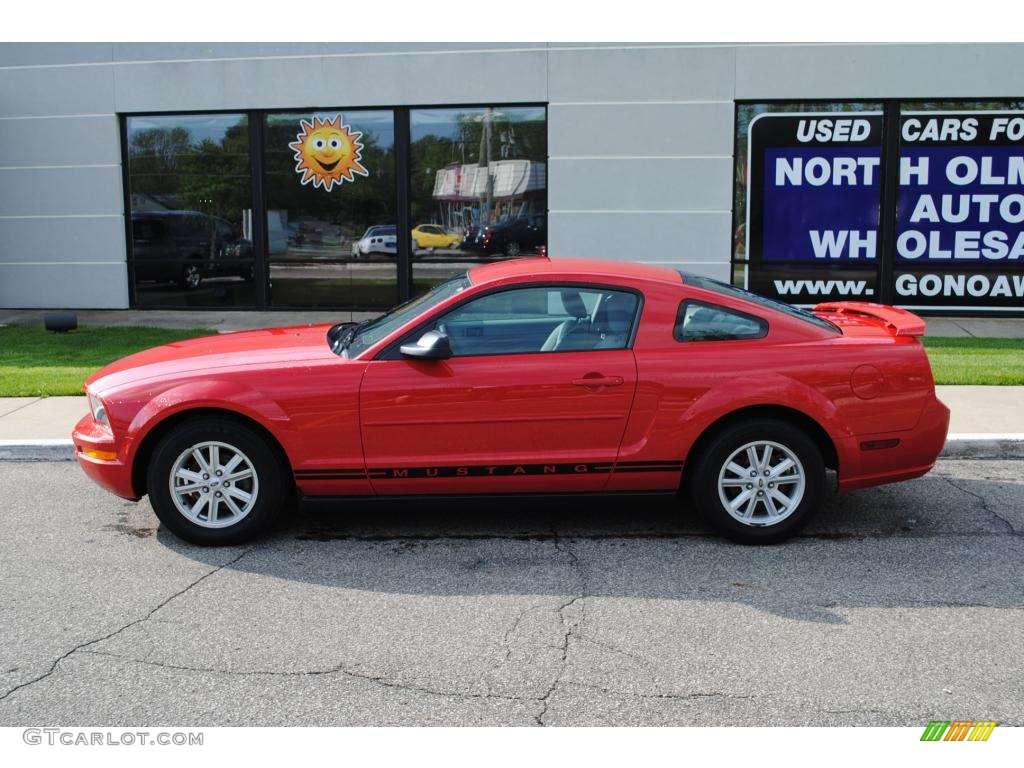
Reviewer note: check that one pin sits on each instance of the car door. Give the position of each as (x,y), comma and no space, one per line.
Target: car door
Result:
(534,398)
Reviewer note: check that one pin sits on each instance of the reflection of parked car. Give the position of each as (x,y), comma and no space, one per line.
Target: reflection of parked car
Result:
(431,236)
(184,246)
(524,234)
(382,238)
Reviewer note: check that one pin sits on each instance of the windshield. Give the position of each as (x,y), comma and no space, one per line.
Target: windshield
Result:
(371,331)
(738,293)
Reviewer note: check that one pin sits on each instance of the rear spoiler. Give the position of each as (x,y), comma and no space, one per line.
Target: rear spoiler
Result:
(898,321)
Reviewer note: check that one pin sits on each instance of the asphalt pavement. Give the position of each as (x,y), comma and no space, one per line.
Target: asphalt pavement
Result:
(899,605)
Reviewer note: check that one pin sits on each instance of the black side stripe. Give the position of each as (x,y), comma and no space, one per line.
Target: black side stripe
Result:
(487,470)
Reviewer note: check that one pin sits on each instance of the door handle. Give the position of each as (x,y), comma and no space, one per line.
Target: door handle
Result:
(597,380)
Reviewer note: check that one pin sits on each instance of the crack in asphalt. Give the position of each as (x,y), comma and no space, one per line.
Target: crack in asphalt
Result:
(507,641)
(569,627)
(337,669)
(666,696)
(119,630)
(984,505)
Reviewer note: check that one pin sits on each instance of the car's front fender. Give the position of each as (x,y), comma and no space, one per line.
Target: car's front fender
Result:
(219,394)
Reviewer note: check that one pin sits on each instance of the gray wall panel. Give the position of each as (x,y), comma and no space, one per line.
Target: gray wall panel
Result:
(450,78)
(61,191)
(276,82)
(642,74)
(332,80)
(60,141)
(653,237)
(640,129)
(57,91)
(29,54)
(676,185)
(63,239)
(168,86)
(214,50)
(79,286)
(876,71)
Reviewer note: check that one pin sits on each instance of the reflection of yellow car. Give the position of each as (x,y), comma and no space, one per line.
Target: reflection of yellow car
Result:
(431,236)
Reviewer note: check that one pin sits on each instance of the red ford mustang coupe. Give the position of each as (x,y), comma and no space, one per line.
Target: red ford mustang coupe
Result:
(529,376)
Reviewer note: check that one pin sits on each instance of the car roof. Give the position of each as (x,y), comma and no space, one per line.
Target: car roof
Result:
(538,266)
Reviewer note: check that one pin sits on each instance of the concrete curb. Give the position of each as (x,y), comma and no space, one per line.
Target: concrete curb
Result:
(980,445)
(37,450)
(984,445)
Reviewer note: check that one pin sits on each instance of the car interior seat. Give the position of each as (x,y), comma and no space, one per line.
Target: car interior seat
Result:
(573,333)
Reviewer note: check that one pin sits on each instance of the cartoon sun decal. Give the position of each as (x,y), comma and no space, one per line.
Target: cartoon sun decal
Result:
(327,153)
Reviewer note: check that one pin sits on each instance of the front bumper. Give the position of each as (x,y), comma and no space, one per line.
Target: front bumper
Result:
(112,474)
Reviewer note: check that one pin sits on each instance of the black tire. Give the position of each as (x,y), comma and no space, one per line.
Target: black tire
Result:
(512,250)
(710,465)
(191,277)
(268,470)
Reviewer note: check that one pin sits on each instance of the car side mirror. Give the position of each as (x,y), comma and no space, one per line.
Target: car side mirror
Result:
(432,345)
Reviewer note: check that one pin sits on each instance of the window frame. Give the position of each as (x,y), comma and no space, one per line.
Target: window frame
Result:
(260,252)
(677,326)
(391,351)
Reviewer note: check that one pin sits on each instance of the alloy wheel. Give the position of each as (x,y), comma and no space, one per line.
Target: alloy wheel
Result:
(761,483)
(213,484)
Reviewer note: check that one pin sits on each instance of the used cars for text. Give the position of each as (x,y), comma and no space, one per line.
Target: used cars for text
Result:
(528,376)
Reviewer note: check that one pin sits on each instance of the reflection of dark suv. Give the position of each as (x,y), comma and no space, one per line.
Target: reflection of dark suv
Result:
(512,237)
(184,246)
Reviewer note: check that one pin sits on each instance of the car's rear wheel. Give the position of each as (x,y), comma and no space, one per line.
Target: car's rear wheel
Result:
(759,481)
(215,482)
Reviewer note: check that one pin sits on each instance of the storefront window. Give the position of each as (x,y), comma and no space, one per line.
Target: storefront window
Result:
(324,232)
(809,200)
(331,209)
(190,210)
(478,179)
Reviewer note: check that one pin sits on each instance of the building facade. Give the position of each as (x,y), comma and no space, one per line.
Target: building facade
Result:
(353,176)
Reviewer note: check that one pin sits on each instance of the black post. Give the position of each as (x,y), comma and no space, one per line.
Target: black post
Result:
(403,227)
(890,183)
(128,233)
(260,239)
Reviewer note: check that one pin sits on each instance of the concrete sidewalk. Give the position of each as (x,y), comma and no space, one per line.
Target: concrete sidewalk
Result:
(984,421)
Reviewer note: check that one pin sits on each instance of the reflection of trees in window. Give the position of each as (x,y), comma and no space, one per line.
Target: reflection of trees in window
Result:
(169,170)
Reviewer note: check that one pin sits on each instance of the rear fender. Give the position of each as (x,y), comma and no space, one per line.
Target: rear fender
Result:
(768,389)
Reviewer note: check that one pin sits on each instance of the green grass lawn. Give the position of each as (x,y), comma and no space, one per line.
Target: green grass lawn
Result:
(976,360)
(35,362)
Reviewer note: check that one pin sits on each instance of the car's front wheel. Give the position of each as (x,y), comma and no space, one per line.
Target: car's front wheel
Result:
(215,482)
(759,481)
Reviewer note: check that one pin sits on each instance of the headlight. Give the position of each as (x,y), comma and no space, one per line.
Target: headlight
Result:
(99,411)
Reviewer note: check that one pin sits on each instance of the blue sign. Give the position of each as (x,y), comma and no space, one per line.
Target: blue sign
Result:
(814,201)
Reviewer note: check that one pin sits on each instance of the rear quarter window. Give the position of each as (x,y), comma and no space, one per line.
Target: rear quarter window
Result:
(702,321)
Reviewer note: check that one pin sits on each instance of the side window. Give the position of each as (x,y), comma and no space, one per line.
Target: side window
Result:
(699,321)
(541,319)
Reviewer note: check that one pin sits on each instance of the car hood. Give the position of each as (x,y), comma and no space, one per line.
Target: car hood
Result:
(265,347)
